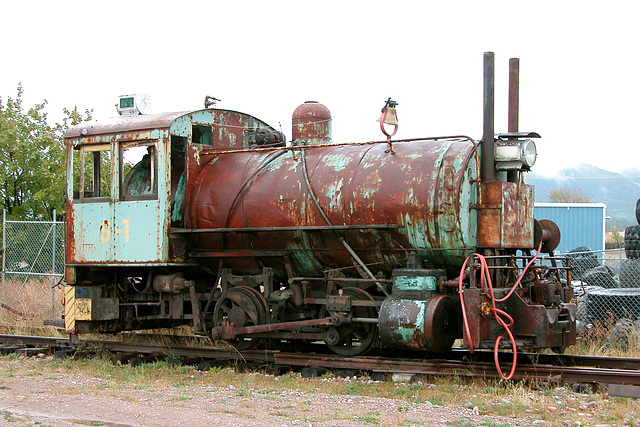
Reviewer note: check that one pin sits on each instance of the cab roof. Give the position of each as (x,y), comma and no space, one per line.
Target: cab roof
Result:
(122,124)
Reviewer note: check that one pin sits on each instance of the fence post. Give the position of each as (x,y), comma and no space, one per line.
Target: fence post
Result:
(4,217)
(53,264)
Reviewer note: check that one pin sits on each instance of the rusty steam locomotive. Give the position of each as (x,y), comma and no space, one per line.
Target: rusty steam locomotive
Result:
(218,223)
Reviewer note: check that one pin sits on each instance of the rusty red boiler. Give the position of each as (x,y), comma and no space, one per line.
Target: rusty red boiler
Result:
(420,197)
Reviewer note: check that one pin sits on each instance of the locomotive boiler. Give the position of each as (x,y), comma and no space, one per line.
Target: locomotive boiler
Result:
(210,218)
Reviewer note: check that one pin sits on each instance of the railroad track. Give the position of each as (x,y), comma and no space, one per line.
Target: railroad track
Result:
(620,375)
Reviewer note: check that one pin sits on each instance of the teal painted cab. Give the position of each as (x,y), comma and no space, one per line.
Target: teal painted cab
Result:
(118,190)
(126,182)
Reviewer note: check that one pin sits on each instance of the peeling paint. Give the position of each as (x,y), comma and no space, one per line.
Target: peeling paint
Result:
(334,193)
(338,161)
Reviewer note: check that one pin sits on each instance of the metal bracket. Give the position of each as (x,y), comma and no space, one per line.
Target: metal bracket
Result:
(339,303)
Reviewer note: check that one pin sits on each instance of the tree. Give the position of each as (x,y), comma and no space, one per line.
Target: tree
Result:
(614,239)
(32,159)
(568,195)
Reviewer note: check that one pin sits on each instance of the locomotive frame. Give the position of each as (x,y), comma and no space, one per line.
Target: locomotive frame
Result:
(203,230)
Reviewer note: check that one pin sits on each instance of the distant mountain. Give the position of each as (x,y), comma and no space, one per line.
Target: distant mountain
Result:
(619,191)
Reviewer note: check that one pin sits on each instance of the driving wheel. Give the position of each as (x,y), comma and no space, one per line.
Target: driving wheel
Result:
(352,339)
(241,306)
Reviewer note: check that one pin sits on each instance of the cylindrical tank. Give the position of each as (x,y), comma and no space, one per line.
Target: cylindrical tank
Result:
(311,124)
(426,188)
(415,316)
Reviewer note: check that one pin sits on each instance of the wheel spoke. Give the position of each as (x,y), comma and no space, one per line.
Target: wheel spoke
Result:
(246,306)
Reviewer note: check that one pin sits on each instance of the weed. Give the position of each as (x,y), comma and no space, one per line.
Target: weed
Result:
(243,391)
(436,401)
(467,423)
(369,418)
(353,389)
(460,423)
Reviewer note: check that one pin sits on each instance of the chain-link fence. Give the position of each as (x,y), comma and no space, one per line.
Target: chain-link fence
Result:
(606,287)
(32,266)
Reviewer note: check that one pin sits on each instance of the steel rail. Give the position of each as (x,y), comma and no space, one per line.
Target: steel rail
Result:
(618,371)
(456,368)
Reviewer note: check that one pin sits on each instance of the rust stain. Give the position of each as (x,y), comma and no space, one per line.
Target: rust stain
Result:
(354,184)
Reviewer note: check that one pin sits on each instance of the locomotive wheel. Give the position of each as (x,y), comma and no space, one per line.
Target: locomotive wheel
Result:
(241,306)
(352,339)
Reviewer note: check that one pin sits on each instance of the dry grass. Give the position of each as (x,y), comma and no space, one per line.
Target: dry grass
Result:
(609,339)
(522,401)
(26,304)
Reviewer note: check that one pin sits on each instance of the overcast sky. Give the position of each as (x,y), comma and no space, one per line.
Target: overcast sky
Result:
(579,64)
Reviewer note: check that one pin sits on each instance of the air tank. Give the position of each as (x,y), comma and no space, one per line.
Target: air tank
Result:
(419,197)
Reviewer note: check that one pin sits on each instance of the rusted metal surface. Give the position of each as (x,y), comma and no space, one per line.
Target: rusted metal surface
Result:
(280,229)
(128,125)
(432,324)
(543,326)
(415,316)
(514,94)
(229,331)
(425,187)
(542,311)
(311,124)
(488,171)
(505,218)
(220,129)
(222,215)
(480,370)
(549,235)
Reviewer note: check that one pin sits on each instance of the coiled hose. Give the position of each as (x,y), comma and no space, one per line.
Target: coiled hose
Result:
(499,315)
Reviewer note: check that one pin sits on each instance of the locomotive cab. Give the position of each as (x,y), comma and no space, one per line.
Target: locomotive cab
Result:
(126,188)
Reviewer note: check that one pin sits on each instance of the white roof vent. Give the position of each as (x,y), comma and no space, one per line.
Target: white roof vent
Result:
(132,105)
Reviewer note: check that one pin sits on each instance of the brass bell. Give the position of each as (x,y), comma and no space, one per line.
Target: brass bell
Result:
(390,116)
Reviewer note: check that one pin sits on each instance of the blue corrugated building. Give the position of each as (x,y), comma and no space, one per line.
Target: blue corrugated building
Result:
(581,224)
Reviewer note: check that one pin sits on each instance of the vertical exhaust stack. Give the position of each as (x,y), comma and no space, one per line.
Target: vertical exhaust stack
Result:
(514,105)
(505,211)
(488,170)
(514,94)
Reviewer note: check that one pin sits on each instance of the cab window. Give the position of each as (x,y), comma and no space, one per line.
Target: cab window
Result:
(138,171)
(201,134)
(92,173)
